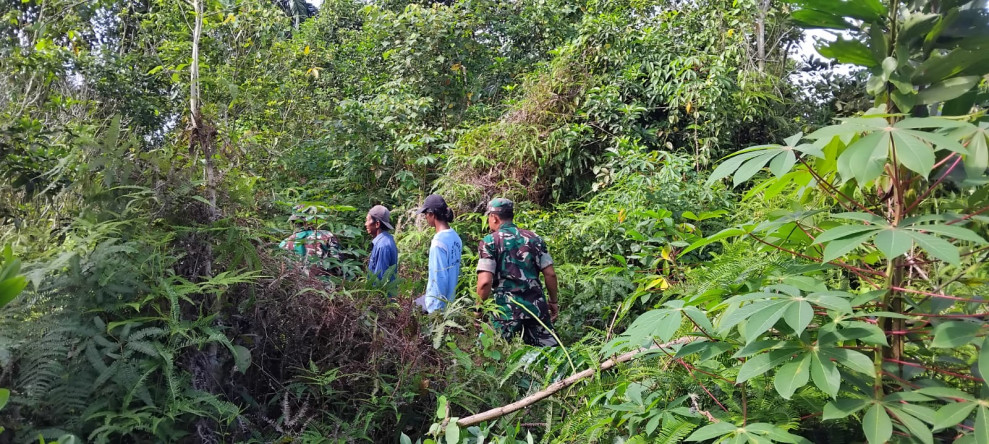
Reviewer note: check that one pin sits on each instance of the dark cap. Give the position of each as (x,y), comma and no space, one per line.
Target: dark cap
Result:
(381,214)
(297,211)
(501,207)
(433,203)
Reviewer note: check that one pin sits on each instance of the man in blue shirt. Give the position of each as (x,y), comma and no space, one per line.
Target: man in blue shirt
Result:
(384,253)
(444,256)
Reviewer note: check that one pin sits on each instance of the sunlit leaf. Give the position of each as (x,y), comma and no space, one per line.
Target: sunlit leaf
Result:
(876,425)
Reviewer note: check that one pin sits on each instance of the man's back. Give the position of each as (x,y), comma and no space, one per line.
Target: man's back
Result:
(515,257)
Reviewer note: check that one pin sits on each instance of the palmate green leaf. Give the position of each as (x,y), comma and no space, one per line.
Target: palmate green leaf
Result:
(764,319)
(798,315)
(838,248)
(876,424)
(849,51)
(864,159)
(734,161)
(952,334)
(843,231)
(915,426)
(960,233)
(849,358)
(733,317)
(809,18)
(841,408)
(832,300)
(792,376)
(937,68)
(947,89)
(913,154)
(893,242)
(861,217)
(723,234)
(952,414)
(762,363)
(825,374)
(712,431)
(937,247)
(751,167)
(944,392)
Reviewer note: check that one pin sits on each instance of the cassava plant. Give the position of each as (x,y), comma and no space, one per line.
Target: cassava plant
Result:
(887,318)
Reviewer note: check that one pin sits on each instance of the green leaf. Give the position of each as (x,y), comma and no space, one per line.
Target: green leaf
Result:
(947,89)
(982,425)
(978,159)
(893,242)
(10,288)
(798,315)
(938,68)
(441,408)
(792,376)
(842,408)
(876,425)
(762,363)
(952,414)
(242,357)
(733,317)
(452,432)
(405,439)
(864,160)
(732,163)
(954,231)
(809,18)
(825,374)
(843,231)
(937,247)
(850,358)
(914,425)
(984,360)
(764,319)
(913,154)
(953,334)
(712,431)
(849,51)
(751,167)
(945,392)
(838,248)
(4,397)
(832,300)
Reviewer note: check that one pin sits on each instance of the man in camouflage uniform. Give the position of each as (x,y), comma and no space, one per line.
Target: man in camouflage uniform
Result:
(508,266)
(312,245)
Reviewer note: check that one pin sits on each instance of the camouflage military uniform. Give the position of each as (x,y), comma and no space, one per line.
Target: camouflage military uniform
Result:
(515,257)
(313,246)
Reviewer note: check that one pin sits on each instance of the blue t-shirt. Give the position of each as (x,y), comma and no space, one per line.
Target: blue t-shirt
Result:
(444,269)
(384,256)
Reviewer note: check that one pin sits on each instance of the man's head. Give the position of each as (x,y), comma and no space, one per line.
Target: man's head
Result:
(378,219)
(298,219)
(500,210)
(436,209)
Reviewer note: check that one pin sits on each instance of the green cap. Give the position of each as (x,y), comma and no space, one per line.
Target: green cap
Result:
(501,207)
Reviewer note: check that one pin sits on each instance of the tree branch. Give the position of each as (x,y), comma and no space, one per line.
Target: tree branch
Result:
(560,385)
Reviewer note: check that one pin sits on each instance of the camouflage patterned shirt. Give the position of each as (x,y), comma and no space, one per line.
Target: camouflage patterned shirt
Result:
(515,257)
(312,244)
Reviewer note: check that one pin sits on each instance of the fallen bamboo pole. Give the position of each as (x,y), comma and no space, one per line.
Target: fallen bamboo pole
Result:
(562,384)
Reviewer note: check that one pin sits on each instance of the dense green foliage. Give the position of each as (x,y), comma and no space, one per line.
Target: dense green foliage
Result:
(826,286)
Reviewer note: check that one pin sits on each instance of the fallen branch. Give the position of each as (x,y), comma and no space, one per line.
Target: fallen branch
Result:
(562,384)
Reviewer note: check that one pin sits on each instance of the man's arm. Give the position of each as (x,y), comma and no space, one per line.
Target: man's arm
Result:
(549,273)
(484,281)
